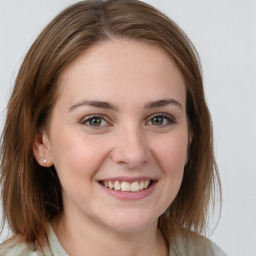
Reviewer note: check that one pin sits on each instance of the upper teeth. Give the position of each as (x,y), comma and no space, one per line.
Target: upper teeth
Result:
(126,186)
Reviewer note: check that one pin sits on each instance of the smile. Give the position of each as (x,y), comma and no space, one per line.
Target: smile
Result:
(125,186)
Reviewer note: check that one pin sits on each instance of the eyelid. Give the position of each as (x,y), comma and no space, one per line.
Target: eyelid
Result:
(170,118)
(89,117)
(85,119)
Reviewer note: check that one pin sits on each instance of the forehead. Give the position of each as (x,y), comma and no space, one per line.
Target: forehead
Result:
(122,68)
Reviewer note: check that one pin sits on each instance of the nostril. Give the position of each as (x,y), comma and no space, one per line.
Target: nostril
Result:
(131,159)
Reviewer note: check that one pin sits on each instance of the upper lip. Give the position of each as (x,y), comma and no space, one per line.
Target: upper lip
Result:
(128,179)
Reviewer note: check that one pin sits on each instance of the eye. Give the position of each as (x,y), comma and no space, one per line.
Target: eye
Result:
(96,121)
(161,120)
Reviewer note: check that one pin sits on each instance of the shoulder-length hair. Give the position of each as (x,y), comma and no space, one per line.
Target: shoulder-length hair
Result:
(31,194)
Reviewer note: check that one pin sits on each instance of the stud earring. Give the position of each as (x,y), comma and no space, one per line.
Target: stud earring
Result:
(44,161)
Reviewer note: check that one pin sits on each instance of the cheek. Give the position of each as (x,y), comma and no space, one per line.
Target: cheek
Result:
(172,153)
(77,160)
(78,157)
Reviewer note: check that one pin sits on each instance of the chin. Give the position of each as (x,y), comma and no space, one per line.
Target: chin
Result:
(130,223)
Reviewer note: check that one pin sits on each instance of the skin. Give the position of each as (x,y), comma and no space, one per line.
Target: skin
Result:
(132,140)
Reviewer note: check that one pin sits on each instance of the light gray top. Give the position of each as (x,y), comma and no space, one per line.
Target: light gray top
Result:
(54,248)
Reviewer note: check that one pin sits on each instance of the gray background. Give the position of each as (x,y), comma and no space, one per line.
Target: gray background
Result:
(224,32)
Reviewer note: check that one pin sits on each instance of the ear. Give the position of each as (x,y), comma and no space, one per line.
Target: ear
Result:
(42,149)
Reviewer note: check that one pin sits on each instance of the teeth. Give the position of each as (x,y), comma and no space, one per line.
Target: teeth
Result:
(142,185)
(146,183)
(110,185)
(126,186)
(117,185)
(135,186)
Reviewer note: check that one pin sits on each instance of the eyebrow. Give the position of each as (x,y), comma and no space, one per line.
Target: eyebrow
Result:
(96,104)
(163,103)
(107,105)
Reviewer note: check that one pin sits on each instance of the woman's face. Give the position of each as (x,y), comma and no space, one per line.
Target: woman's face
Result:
(118,135)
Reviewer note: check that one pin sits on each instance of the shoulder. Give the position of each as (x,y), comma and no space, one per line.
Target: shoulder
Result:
(15,247)
(217,250)
(194,245)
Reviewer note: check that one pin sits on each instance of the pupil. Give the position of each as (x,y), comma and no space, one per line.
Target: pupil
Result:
(157,120)
(95,122)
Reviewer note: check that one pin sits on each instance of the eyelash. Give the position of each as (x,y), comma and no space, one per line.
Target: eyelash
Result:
(169,120)
(91,117)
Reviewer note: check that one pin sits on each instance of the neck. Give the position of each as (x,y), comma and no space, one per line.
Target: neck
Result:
(78,239)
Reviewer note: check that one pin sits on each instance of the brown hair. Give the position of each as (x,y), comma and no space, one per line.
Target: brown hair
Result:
(32,196)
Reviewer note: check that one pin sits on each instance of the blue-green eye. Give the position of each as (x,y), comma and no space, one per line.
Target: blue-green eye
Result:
(94,121)
(161,120)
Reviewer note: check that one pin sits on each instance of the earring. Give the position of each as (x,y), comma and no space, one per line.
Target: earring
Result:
(44,161)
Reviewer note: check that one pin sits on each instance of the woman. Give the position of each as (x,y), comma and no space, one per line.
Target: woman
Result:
(107,146)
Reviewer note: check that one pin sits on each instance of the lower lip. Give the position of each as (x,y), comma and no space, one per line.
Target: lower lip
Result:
(130,195)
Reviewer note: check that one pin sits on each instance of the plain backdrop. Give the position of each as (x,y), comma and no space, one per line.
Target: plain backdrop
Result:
(224,33)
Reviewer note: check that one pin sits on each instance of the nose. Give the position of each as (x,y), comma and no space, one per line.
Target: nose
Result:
(130,149)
